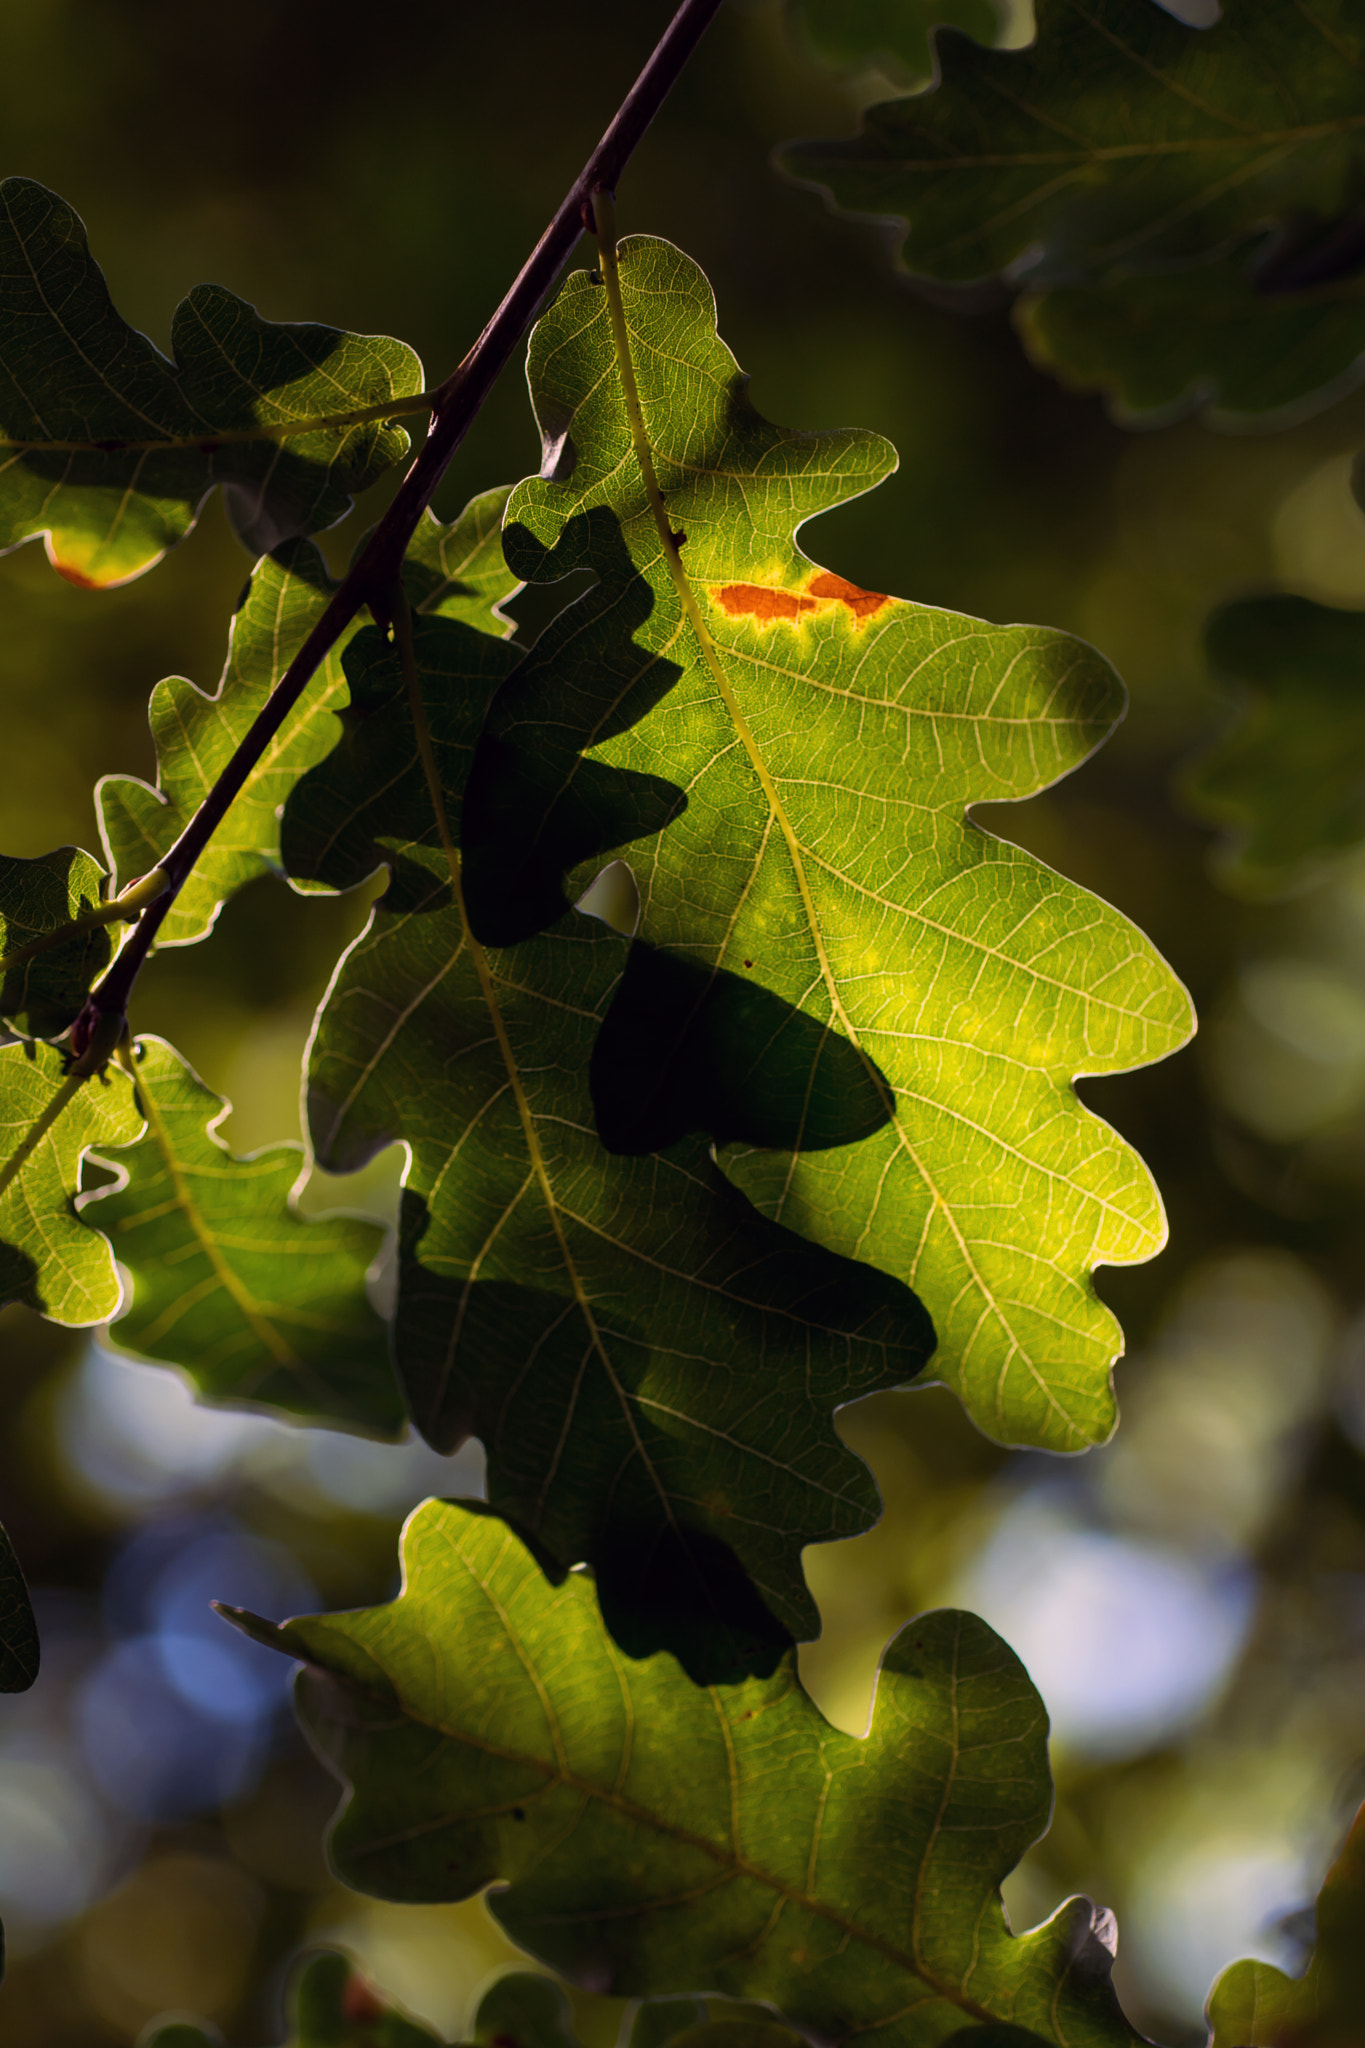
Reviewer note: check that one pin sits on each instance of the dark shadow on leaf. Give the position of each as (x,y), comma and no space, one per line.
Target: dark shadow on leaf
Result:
(45,993)
(534,807)
(684,1048)
(687,1592)
(603,1463)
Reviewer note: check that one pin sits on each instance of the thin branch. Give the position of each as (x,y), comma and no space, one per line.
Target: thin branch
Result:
(372,578)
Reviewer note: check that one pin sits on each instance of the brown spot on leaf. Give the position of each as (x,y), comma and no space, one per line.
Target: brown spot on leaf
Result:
(759,601)
(862,603)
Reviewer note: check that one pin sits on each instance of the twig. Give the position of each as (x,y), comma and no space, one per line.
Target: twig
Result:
(371,579)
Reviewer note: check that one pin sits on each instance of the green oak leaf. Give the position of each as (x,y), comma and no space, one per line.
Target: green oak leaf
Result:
(43,991)
(18,1630)
(1254,2005)
(49,1258)
(823,744)
(1209,338)
(896,35)
(330,2006)
(1287,780)
(647,1836)
(108,450)
(1120,148)
(652,1367)
(257,1303)
(457,571)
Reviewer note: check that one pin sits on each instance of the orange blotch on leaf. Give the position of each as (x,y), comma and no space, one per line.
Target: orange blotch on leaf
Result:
(759,601)
(768,604)
(76,576)
(862,603)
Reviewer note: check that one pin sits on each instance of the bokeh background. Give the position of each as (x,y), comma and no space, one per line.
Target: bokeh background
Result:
(1191,1600)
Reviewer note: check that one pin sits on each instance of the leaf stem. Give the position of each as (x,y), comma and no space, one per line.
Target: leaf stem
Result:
(372,578)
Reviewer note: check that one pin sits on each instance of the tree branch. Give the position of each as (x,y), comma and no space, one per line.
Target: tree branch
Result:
(456,404)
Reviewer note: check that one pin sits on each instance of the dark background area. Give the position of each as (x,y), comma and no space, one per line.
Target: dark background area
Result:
(387,172)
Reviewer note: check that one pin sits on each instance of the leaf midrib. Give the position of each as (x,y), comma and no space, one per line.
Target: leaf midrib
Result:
(729,1860)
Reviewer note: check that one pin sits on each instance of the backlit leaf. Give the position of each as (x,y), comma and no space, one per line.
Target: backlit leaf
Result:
(652,1366)
(44,992)
(650,1836)
(457,571)
(821,759)
(1254,2005)
(1123,142)
(18,1630)
(48,1257)
(1288,778)
(108,450)
(257,1303)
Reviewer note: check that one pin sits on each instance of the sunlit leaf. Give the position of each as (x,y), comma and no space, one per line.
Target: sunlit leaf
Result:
(42,991)
(1122,142)
(331,2006)
(18,1630)
(108,449)
(48,1257)
(255,1302)
(651,1836)
(893,34)
(1288,778)
(1254,2005)
(652,1366)
(457,571)
(820,762)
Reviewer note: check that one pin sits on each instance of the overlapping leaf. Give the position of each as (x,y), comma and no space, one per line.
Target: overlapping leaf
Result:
(18,1630)
(42,991)
(652,1836)
(456,570)
(48,1257)
(1210,337)
(108,449)
(895,34)
(1124,142)
(822,759)
(256,1302)
(1288,778)
(1254,2005)
(652,1367)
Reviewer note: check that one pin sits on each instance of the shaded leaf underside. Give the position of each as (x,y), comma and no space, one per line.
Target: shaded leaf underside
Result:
(1288,777)
(108,449)
(653,1836)
(1117,150)
(821,759)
